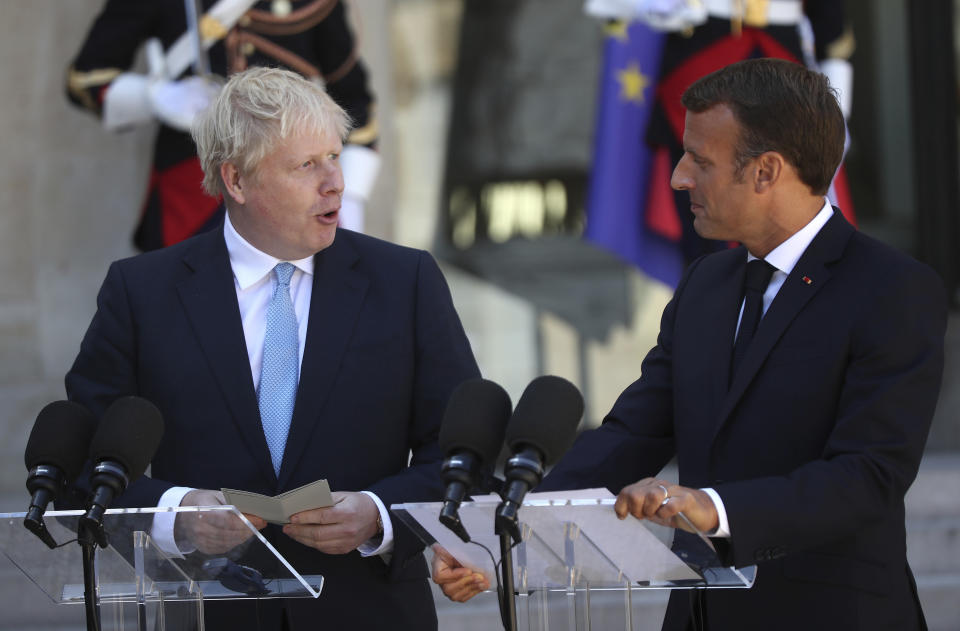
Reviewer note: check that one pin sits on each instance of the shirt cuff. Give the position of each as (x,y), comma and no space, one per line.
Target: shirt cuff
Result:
(162,530)
(372,546)
(723,526)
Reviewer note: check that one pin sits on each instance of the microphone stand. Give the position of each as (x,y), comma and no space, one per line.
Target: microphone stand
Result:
(88,534)
(524,471)
(508,604)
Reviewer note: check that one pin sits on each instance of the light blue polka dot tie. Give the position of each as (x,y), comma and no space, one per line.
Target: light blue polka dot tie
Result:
(279,373)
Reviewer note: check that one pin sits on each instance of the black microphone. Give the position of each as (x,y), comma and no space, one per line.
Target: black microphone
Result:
(55,453)
(128,436)
(470,436)
(541,429)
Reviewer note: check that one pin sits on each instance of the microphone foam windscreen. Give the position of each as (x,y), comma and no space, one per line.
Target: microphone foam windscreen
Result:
(475,419)
(60,437)
(129,433)
(546,417)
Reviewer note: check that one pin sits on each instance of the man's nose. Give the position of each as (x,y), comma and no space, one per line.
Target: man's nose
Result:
(332,180)
(680,180)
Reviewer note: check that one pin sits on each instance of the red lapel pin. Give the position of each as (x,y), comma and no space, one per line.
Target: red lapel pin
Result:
(807,280)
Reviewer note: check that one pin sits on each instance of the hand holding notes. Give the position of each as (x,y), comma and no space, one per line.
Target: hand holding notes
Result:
(337,529)
(211,533)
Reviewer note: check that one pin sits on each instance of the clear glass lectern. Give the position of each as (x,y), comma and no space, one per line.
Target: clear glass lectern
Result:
(141,586)
(578,566)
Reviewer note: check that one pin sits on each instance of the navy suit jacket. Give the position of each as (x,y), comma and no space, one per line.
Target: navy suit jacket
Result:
(384,349)
(811,447)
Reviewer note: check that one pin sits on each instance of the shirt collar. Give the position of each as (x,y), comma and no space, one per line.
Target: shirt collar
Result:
(785,256)
(249,264)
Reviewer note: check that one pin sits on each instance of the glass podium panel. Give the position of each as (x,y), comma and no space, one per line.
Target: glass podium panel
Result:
(134,569)
(578,566)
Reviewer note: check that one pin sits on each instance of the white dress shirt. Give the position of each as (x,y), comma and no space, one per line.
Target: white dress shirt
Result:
(783,257)
(255,283)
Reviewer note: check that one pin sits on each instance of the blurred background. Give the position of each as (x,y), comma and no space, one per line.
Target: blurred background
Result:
(491,130)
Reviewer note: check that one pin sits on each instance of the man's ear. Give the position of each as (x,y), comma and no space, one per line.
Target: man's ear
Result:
(232,182)
(770,168)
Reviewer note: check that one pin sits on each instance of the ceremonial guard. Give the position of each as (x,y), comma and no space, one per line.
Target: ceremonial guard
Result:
(189,46)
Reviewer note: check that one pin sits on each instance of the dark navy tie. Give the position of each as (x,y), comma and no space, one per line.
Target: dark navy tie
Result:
(754,285)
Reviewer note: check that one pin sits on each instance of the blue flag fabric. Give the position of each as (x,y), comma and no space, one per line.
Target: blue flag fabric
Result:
(622,160)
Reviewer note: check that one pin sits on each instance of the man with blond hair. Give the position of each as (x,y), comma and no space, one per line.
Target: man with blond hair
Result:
(281,350)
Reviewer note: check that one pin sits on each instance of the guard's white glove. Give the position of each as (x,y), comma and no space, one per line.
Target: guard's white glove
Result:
(136,99)
(126,103)
(662,15)
(360,166)
(177,103)
(351,212)
(672,15)
(839,73)
(611,9)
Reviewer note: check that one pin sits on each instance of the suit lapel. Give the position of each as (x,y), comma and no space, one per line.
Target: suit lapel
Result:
(718,315)
(210,301)
(338,293)
(825,248)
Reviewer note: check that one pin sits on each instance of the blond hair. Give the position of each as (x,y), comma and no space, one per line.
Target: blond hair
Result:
(255,110)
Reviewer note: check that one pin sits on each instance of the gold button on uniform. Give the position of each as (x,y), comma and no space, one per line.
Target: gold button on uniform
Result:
(281,8)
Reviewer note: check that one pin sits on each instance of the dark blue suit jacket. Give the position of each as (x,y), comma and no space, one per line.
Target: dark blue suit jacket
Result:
(811,447)
(384,350)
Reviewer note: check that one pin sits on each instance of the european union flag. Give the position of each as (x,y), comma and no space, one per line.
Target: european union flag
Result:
(622,159)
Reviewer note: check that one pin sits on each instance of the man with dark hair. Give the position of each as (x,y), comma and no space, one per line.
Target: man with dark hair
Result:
(762,96)
(794,377)
(816,33)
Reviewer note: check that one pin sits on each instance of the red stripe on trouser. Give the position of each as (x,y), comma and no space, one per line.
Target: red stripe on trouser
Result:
(184,205)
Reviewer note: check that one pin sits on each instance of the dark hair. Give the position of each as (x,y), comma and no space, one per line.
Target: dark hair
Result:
(781,106)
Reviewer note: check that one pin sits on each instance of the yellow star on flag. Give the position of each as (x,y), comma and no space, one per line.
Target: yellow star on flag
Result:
(633,83)
(617,29)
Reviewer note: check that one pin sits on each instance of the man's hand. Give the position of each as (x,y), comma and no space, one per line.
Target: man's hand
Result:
(458,583)
(336,529)
(212,533)
(660,501)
